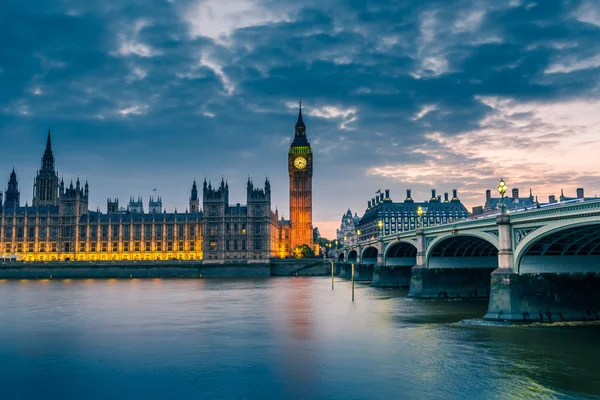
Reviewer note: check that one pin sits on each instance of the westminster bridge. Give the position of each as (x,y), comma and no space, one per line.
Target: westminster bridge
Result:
(537,264)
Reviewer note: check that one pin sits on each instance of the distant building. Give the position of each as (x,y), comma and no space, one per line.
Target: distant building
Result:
(579,196)
(346,234)
(513,202)
(477,210)
(402,216)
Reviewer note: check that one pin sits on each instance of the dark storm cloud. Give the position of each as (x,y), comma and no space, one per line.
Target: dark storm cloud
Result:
(153,94)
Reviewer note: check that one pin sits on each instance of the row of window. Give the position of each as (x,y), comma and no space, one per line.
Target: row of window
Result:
(235,245)
(93,231)
(102,247)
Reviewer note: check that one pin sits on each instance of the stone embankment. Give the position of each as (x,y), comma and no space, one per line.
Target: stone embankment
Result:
(162,269)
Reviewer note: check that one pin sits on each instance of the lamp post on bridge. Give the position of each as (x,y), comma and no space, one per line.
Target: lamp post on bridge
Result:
(502,188)
(380,226)
(420,219)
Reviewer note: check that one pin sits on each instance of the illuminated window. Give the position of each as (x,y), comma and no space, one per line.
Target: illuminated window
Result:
(148,246)
(180,246)
(213,246)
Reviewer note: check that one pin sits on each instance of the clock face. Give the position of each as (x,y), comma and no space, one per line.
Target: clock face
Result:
(300,162)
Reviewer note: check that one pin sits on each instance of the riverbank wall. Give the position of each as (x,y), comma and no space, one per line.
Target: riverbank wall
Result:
(162,269)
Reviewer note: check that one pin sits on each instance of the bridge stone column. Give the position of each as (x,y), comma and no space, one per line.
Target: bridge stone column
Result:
(417,272)
(506,259)
(380,252)
(420,249)
(504,298)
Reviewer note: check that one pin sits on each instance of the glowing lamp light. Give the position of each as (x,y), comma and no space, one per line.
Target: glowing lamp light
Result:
(380,224)
(502,187)
(420,211)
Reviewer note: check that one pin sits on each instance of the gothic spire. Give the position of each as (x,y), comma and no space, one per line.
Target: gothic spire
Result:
(48,143)
(300,122)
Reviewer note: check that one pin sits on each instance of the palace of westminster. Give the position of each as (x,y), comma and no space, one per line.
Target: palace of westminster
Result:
(58,225)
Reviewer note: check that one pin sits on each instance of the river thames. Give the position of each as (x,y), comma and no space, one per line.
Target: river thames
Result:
(276,338)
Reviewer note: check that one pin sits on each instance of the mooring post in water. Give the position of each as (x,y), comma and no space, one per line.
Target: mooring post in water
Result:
(200,276)
(332,268)
(353,282)
(130,276)
(50,277)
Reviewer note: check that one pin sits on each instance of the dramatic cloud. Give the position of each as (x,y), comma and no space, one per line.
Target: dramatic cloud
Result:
(396,94)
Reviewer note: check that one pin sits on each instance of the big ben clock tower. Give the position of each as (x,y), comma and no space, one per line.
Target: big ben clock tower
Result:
(300,167)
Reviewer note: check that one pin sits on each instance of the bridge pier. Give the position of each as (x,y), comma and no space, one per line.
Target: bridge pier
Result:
(451,283)
(391,276)
(362,272)
(544,297)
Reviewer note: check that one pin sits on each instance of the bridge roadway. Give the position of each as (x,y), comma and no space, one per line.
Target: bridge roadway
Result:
(538,264)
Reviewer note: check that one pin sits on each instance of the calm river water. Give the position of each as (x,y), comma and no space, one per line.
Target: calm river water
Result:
(275,338)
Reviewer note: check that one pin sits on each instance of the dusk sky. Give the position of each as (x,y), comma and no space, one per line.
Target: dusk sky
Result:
(396,94)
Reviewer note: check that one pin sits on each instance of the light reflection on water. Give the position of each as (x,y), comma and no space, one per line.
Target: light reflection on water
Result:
(275,338)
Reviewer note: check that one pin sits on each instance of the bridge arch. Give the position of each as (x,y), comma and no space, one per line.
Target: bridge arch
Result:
(340,257)
(352,256)
(400,252)
(559,247)
(369,255)
(470,250)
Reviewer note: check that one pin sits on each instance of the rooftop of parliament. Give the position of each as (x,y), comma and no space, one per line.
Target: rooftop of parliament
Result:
(59,226)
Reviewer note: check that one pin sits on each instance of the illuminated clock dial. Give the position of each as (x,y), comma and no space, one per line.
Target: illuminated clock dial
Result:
(300,162)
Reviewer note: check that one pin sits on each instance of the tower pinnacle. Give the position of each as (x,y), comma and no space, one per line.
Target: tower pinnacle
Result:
(300,122)
(48,143)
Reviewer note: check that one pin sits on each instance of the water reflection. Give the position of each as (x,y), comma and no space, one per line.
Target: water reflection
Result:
(275,338)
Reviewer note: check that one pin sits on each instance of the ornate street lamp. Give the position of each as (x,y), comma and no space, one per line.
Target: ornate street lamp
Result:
(380,226)
(420,214)
(502,188)
(358,235)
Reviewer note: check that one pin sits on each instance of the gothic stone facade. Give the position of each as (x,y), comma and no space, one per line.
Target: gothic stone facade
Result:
(59,225)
